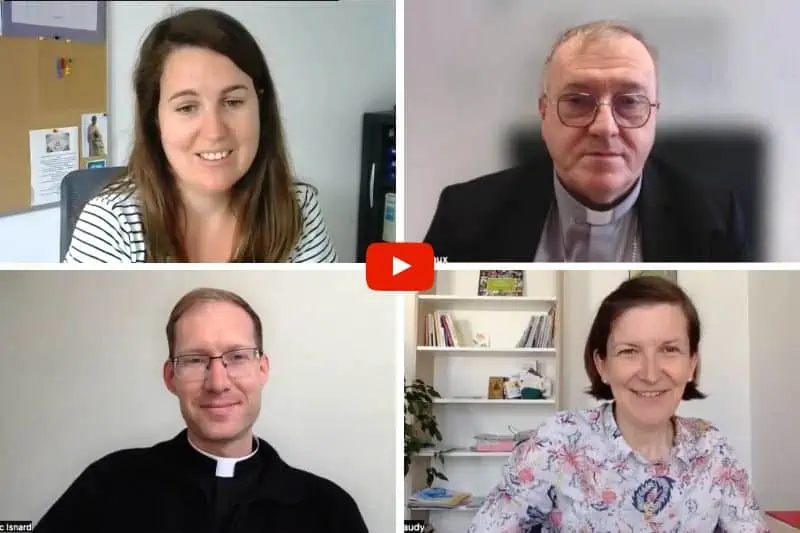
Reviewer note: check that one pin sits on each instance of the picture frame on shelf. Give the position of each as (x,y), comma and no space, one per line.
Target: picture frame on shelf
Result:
(496,388)
(501,283)
(481,340)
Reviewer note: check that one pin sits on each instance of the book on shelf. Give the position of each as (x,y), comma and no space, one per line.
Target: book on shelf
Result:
(440,330)
(540,331)
(488,442)
(474,502)
(473,449)
(485,443)
(438,498)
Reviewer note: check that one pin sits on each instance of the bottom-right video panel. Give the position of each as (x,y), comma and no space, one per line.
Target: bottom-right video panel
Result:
(602,400)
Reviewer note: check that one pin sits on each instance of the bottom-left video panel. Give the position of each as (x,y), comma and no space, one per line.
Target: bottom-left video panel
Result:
(172,401)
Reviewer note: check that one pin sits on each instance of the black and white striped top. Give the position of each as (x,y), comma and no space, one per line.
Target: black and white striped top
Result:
(109,230)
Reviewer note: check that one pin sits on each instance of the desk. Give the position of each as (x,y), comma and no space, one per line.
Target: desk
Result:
(776,526)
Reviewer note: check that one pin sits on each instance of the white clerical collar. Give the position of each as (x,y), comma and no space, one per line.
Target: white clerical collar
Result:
(225,465)
(571,211)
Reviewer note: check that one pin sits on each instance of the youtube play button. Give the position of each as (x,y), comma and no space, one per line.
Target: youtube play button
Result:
(400,266)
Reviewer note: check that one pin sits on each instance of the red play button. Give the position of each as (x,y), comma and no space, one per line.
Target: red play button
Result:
(400,266)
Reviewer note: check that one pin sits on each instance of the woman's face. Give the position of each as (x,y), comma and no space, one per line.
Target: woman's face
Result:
(648,363)
(209,120)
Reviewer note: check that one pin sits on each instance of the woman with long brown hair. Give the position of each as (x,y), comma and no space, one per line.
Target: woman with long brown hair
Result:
(209,178)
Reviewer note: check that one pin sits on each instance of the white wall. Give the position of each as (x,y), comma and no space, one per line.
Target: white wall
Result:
(80,376)
(331,62)
(472,73)
(775,397)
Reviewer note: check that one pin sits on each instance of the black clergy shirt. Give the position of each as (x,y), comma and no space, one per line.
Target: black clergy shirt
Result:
(173,487)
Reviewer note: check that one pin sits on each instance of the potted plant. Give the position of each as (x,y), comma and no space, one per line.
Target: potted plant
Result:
(420,426)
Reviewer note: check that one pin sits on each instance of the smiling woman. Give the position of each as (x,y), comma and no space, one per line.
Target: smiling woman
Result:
(631,464)
(209,178)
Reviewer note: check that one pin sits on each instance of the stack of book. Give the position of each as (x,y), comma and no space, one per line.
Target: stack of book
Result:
(540,330)
(438,498)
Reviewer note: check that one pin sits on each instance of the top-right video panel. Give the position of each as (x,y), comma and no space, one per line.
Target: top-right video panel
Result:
(574,132)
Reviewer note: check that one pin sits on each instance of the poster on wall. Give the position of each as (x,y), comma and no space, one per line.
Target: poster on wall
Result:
(80,21)
(94,132)
(54,154)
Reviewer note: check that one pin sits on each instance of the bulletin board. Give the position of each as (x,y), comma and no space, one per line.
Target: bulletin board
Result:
(53,81)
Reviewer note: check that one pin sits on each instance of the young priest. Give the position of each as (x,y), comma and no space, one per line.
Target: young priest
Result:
(215,475)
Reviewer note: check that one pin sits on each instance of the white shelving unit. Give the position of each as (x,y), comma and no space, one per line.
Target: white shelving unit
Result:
(494,402)
(461,375)
(484,351)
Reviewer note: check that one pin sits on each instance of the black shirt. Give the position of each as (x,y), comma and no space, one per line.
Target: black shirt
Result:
(500,217)
(173,488)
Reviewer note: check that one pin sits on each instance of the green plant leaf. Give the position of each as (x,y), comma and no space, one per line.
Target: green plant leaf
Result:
(420,427)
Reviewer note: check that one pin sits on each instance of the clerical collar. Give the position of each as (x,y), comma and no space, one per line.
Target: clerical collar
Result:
(225,465)
(571,211)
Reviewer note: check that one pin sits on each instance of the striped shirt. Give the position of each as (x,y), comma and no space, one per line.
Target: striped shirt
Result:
(109,230)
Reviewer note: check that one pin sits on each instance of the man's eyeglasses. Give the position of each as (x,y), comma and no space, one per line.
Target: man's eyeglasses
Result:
(193,367)
(578,110)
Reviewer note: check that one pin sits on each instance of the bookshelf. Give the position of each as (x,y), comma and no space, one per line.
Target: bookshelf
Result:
(461,376)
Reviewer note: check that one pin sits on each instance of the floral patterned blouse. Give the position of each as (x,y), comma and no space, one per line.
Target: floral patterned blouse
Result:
(577,474)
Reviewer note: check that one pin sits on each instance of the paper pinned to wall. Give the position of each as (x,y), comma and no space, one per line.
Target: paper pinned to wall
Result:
(54,154)
(94,132)
(67,15)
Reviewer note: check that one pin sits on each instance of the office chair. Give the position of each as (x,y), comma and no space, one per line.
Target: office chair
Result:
(77,188)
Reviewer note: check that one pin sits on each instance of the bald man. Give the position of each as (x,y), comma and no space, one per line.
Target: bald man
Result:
(597,195)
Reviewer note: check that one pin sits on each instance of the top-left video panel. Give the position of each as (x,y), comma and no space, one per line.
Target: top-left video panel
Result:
(258,132)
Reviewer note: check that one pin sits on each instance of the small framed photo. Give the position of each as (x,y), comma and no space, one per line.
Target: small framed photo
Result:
(480,340)
(496,388)
(501,283)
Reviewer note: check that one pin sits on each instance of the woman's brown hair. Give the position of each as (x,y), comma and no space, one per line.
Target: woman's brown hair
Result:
(640,291)
(264,199)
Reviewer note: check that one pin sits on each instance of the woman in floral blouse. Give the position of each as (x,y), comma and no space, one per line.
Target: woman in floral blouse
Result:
(630,465)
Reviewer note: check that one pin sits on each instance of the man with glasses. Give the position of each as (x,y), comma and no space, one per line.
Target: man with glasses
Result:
(215,475)
(597,195)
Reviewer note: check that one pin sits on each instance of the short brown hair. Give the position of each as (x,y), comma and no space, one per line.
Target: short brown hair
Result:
(204,295)
(264,199)
(639,291)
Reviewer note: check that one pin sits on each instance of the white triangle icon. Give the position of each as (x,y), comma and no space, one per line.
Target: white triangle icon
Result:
(398,265)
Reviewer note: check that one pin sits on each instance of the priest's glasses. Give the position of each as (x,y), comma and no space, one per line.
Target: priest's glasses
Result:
(239,363)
